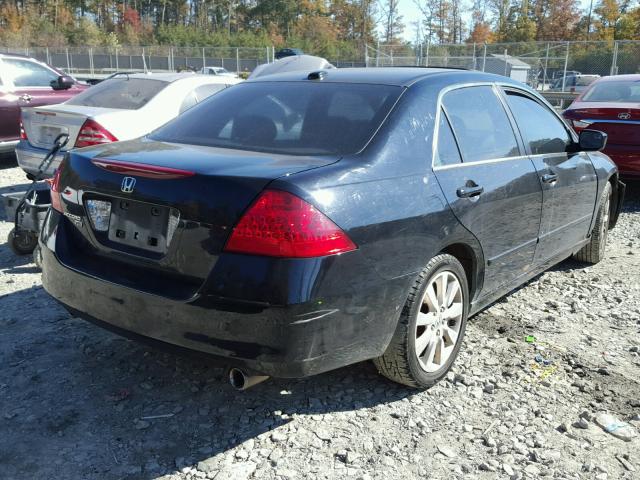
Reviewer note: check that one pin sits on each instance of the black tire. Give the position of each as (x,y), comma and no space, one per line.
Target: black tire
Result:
(400,361)
(22,243)
(594,251)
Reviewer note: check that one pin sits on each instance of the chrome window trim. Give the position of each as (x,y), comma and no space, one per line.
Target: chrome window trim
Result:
(436,127)
(623,122)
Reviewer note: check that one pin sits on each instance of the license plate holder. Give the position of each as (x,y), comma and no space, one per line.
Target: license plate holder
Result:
(48,134)
(139,225)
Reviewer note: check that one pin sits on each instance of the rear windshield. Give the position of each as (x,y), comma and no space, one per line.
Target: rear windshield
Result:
(294,118)
(121,92)
(614,91)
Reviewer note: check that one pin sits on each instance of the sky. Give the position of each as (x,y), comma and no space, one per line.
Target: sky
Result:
(410,13)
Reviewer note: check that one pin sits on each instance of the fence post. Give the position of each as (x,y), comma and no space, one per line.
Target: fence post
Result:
(378,54)
(366,55)
(117,66)
(420,55)
(203,60)
(144,61)
(68,64)
(267,55)
(91,60)
(614,60)
(474,56)
(426,63)
(48,57)
(484,57)
(566,62)
(505,63)
(546,66)
(238,60)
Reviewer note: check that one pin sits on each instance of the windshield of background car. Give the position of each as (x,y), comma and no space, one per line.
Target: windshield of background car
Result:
(614,91)
(120,92)
(295,118)
(584,81)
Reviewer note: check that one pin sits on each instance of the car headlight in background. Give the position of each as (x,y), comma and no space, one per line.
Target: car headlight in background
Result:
(100,213)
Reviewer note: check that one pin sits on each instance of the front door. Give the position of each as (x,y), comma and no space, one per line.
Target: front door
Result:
(568,180)
(490,185)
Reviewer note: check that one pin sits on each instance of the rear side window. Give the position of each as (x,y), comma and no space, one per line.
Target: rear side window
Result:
(204,91)
(296,118)
(447,152)
(614,91)
(121,92)
(28,74)
(480,124)
(542,130)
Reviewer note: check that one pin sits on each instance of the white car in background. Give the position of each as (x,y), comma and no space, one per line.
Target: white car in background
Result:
(219,71)
(124,107)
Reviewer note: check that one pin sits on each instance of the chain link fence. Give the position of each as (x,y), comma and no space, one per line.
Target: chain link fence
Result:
(545,66)
(542,65)
(105,61)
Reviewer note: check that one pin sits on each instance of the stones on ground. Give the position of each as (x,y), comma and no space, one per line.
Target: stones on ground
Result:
(236,471)
(616,427)
(447,451)
(278,437)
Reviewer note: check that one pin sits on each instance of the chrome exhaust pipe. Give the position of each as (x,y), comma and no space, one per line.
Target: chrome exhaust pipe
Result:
(241,380)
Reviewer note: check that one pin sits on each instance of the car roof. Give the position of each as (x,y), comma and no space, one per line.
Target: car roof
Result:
(399,76)
(634,77)
(172,77)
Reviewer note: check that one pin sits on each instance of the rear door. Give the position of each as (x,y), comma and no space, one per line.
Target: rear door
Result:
(568,180)
(491,186)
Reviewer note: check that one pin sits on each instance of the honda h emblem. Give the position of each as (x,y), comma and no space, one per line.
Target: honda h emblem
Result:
(624,116)
(128,183)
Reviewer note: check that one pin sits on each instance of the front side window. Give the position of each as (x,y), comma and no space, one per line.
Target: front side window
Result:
(447,152)
(542,130)
(480,124)
(120,92)
(625,91)
(296,118)
(26,73)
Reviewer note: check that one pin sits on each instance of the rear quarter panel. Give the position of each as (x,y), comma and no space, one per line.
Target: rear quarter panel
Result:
(387,198)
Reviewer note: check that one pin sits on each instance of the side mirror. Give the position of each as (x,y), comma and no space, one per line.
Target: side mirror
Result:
(592,140)
(63,82)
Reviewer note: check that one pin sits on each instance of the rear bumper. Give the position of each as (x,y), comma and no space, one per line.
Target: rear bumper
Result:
(30,158)
(8,147)
(329,328)
(627,159)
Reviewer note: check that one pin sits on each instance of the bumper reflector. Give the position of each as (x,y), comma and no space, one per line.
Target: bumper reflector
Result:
(100,213)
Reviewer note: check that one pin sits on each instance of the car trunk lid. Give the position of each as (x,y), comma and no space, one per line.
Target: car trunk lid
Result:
(620,121)
(172,206)
(43,124)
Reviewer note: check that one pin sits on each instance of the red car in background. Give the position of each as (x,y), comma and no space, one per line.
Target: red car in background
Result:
(26,82)
(612,105)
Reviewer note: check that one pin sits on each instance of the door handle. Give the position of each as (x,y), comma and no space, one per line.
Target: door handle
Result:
(25,98)
(469,192)
(549,178)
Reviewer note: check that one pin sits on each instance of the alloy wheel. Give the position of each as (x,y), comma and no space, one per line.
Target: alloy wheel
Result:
(439,321)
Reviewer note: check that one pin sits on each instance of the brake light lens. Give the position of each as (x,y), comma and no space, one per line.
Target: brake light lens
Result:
(54,186)
(142,169)
(580,125)
(23,133)
(280,224)
(92,133)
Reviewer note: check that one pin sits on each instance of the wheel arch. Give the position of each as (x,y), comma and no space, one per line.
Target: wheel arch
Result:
(468,258)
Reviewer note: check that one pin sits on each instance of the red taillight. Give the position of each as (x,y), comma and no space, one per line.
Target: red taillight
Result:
(92,133)
(142,169)
(279,224)
(23,134)
(54,185)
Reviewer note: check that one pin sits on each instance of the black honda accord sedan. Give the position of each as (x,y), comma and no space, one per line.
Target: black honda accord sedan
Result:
(302,222)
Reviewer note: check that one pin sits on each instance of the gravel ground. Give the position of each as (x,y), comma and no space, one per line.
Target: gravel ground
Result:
(77,402)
